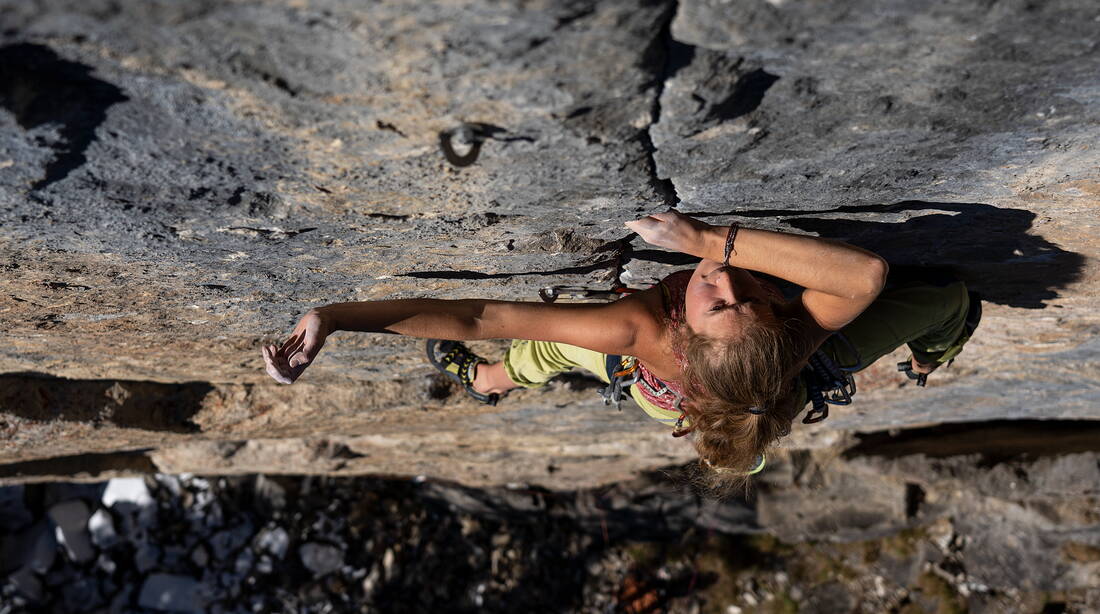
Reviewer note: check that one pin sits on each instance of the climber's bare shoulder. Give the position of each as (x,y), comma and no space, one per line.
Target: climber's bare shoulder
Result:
(653,342)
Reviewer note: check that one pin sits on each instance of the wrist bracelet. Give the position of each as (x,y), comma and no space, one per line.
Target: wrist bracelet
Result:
(731,236)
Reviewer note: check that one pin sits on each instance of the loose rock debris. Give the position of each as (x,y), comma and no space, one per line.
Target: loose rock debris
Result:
(182,543)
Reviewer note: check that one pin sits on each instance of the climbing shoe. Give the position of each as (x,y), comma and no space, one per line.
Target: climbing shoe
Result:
(458,363)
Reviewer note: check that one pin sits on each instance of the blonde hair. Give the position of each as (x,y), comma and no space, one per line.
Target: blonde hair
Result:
(741,396)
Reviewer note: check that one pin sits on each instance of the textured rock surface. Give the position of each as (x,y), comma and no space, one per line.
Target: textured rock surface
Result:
(178,182)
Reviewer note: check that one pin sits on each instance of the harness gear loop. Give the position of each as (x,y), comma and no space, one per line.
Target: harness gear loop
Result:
(622,373)
(550,294)
(828,383)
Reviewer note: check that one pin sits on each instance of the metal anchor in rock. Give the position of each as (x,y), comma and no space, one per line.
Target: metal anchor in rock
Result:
(470,136)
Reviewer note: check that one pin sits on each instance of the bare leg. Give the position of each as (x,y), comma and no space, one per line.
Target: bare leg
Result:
(924,367)
(490,378)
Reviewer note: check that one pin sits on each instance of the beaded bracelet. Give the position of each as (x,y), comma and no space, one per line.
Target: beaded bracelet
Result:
(731,235)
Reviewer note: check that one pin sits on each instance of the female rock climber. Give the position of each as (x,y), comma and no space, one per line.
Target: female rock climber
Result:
(716,352)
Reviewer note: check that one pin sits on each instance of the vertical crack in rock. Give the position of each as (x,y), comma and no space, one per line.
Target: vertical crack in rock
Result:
(668,54)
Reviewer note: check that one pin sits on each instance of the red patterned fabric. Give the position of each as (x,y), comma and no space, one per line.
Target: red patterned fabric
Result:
(673,290)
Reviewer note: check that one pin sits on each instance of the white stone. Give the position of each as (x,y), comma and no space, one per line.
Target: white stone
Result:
(127,490)
(273,540)
(171,483)
(371,581)
(102,528)
(387,563)
(106,563)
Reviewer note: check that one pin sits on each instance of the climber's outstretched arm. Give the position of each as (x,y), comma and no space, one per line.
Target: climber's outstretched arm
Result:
(609,328)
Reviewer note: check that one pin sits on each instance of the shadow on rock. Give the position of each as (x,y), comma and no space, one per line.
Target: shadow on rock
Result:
(128,404)
(84,465)
(989,246)
(40,88)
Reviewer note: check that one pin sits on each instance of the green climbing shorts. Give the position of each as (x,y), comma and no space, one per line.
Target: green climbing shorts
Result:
(930,319)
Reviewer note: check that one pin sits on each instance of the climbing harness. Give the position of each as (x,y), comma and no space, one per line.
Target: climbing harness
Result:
(828,383)
(623,372)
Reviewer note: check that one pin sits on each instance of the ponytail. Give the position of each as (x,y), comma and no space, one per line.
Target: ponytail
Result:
(741,397)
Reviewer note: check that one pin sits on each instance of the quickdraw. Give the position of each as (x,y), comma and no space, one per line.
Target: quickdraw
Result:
(550,294)
(623,373)
(828,383)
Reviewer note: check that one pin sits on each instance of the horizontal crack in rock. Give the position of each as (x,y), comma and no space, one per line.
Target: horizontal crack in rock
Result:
(995,440)
(467,274)
(90,465)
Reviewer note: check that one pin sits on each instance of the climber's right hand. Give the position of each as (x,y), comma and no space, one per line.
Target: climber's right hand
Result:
(672,230)
(286,362)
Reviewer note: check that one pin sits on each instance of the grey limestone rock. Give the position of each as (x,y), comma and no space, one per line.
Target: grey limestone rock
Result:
(199,556)
(170,593)
(179,183)
(147,556)
(273,540)
(82,595)
(70,518)
(226,542)
(13,510)
(34,547)
(27,584)
(321,558)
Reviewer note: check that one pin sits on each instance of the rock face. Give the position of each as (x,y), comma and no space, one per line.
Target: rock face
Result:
(179,182)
